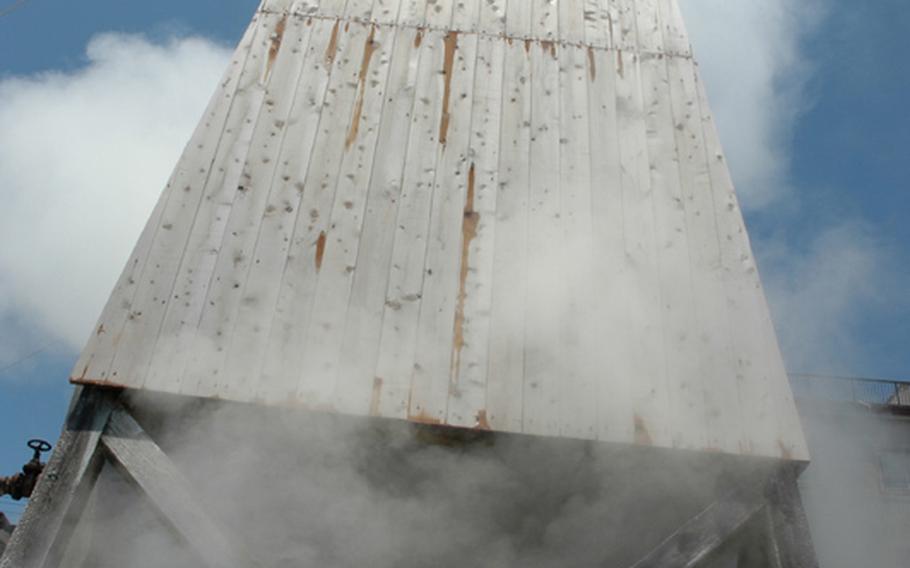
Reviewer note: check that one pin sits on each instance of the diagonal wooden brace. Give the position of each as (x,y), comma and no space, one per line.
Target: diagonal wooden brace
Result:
(705,533)
(98,425)
(143,462)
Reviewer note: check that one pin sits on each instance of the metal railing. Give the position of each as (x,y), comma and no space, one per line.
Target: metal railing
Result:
(849,389)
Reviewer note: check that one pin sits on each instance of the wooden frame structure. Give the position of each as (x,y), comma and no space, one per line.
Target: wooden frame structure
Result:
(509,216)
(100,429)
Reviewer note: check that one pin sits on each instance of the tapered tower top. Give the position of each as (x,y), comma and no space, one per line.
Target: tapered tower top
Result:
(510,215)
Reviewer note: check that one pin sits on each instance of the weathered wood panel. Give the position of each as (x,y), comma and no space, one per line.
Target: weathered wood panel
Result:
(499,214)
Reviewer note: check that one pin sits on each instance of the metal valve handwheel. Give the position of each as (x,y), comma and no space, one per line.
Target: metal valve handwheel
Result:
(40,447)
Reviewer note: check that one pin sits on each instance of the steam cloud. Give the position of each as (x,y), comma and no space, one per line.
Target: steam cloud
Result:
(298,489)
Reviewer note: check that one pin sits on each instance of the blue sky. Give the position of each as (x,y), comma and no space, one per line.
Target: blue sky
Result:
(809,95)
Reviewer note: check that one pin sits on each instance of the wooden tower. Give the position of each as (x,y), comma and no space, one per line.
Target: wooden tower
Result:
(502,215)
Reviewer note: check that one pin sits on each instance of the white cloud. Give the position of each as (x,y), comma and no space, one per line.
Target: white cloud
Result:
(822,290)
(754,70)
(83,156)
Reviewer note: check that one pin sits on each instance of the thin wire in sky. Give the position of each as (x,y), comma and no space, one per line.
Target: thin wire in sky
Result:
(21,360)
(12,7)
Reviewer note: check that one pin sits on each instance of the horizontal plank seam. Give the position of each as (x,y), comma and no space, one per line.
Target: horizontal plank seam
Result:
(483,34)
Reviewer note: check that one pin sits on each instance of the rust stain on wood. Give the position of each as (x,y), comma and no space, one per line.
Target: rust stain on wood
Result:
(275,46)
(320,250)
(619,64)
(550,46)
(592,64)
(483,422)
(102,384)
(642,436)
(377,395)
(418,39)
(469,233)
(527,46)
(423,418)
(368,50)
(332,49)
(451,44)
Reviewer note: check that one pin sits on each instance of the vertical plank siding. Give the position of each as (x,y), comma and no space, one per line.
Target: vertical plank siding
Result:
(511,215)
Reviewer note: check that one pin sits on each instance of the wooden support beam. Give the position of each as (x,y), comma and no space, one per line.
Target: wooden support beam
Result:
(704,534)
(791,539)
(142,461)
(58,499)
(4,540)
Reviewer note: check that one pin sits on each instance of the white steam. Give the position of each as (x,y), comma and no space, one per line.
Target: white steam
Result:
(295,489)
(752,61)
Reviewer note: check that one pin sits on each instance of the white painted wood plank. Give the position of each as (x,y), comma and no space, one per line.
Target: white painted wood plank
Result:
(676,39)
(275,5)
(545,363)
(544,20)
(518,19)
(466,15)
(685,382)
(468,400)
(439,14)
(295,293)
(360,346)
(397,352)
(576,342)
(333,291)
(177,338)
(507,320)
(711,333)
(310,240)
(493,16)
(625,29)
(239,224)
(598,23)
(759,418)
(430,384)
(294,135)
(155,288)
(305,8)
(612,281)
(572,21)
(360,10)
(613,11)
(386,12)
(297,239)
(650,37)
(333,8)
(413,13)
(646,352)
